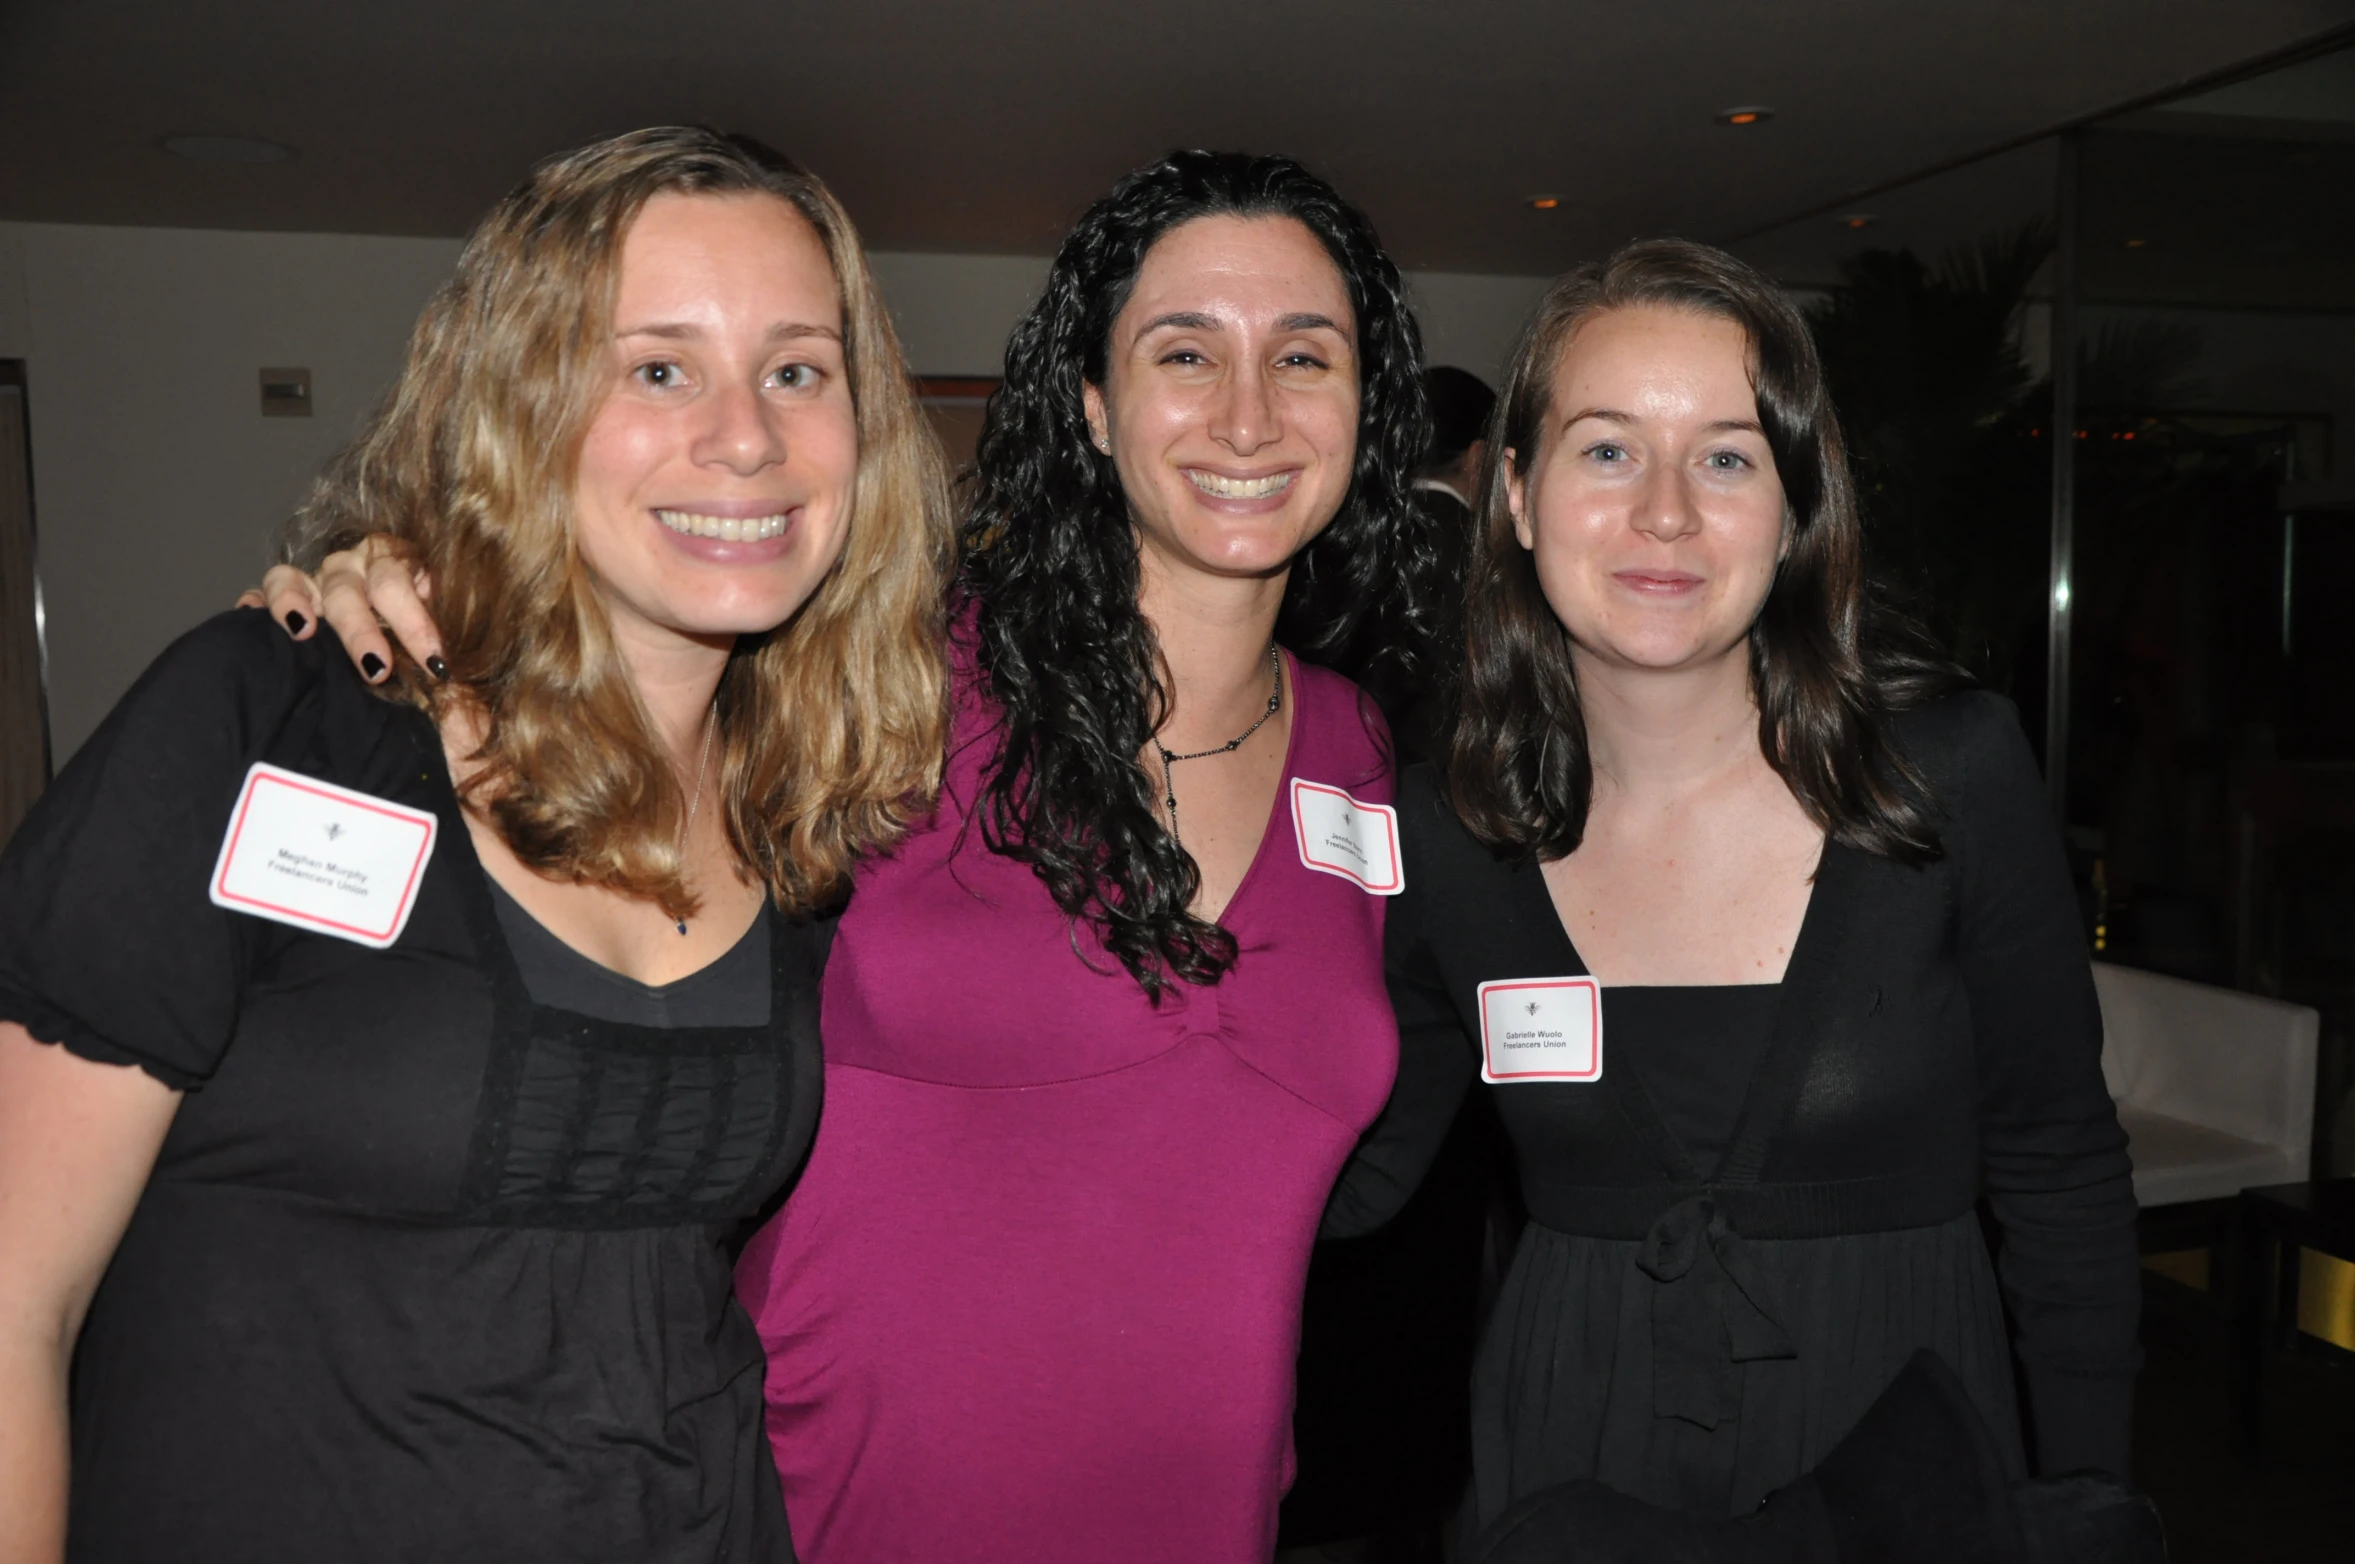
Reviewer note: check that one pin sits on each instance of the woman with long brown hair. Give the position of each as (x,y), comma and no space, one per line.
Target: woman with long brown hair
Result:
(1753,917)
(383,1062)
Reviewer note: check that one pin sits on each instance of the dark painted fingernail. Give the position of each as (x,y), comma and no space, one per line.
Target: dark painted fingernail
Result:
(295,623)
(435,666)
(372,665)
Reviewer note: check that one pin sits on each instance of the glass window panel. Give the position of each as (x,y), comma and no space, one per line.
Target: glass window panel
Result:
(2212,740)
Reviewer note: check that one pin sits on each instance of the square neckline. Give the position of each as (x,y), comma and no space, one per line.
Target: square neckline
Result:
(1773,1087)
(1791,959)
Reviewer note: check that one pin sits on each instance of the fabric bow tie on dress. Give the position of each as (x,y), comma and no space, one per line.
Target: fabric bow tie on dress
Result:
(1712,1311)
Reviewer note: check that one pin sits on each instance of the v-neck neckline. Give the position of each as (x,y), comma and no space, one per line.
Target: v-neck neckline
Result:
(1277,809)
(513,1003)
(1773,1087)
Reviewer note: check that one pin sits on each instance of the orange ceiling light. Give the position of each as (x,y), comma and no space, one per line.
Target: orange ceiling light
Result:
(1545,203)
(1749,114)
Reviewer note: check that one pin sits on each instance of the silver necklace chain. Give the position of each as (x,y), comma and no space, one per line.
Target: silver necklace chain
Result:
(1275,703)
(695,799)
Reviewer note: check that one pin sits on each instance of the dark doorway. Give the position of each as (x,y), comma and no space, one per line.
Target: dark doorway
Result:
(24,706)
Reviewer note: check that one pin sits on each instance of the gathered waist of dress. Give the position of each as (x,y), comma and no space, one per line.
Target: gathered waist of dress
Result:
(180,1199)
(1883,1203)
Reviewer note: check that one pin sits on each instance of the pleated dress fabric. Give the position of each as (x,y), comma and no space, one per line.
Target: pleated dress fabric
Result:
(1563,1384)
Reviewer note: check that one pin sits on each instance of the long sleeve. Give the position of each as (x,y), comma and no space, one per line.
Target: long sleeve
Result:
(2053,1159)
(1434,1067)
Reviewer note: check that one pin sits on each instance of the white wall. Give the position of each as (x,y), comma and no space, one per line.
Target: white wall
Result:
(159,487)
(954,311)
(1472,321)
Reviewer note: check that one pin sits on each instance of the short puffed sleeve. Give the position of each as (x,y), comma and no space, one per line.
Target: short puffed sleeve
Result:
(109,942)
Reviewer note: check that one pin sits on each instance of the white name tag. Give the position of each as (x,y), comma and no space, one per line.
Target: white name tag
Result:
(322,857)
(1541,1029)
(1339,835)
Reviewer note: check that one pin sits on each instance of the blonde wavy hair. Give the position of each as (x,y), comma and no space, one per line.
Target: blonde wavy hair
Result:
(831,727)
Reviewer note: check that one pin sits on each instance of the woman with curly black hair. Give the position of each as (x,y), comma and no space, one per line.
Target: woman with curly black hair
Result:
(1099,1040)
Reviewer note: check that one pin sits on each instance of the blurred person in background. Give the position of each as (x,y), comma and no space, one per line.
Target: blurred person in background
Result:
(1461,404)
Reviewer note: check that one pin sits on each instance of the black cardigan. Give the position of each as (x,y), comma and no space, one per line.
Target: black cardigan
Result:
(1938,1040)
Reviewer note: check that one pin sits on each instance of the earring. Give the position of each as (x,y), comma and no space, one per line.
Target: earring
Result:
(1103,444)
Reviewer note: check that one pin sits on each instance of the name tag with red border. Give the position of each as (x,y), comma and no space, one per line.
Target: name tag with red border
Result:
(1339,835)
(1541,1029)
(321,857)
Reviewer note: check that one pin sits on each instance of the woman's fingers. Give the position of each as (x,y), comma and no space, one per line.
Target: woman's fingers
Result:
(373,588)
(397,590)
(291,597)
(343,598)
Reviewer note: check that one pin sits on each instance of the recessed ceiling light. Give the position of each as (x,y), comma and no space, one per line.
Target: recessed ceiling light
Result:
(227,149)
(1545,203)
(1749,114)
(1858,220)
(2136,244)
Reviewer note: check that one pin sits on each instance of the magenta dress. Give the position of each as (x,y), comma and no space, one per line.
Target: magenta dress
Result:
(1037,1294)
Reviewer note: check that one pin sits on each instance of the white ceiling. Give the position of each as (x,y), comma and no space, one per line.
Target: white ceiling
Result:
(986,127)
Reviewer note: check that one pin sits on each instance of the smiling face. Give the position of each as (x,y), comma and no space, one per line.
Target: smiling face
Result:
(1653,508)
(1230,396)
(714,487)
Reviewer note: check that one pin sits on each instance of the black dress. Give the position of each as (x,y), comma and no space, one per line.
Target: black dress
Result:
(426,1270)
(1698,1325)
